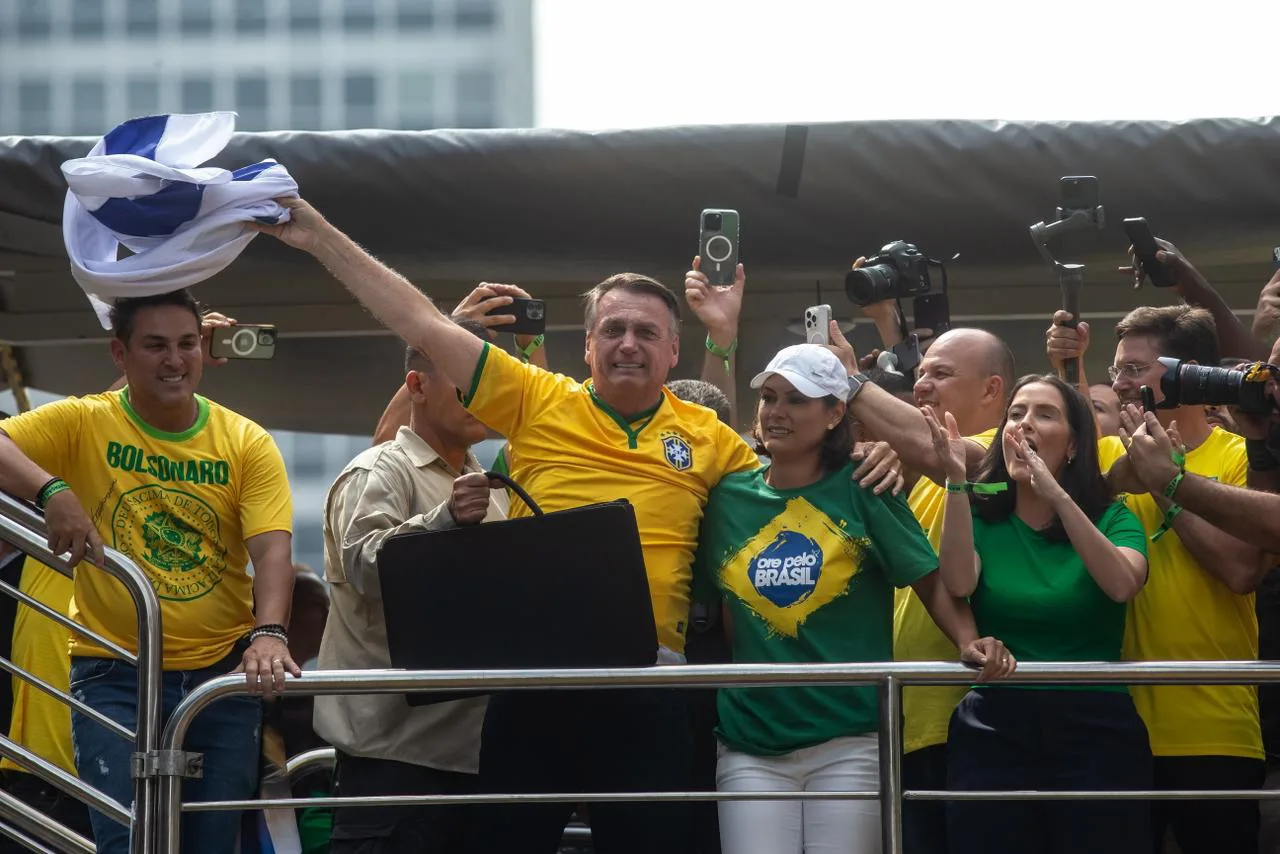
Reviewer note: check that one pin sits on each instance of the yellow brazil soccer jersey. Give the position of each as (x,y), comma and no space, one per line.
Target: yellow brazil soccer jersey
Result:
(569,448)
(40,723)
(181,505)
(926,712)
(1184,613)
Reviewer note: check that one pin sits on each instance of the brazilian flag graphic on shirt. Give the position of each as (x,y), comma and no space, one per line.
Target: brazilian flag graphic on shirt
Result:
(807,576)
(797,564)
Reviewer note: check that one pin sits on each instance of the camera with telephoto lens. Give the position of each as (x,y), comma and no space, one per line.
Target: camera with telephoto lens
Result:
(899,270)
(1189,384)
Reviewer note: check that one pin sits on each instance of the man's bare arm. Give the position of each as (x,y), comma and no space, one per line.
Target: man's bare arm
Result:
(1237,564)
(389,296)
(1245,514)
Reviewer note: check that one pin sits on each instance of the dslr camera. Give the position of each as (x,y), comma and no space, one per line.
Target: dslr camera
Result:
(899,270)
(1188,384)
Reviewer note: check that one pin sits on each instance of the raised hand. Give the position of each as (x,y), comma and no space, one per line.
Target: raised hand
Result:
(717,307)
(948,444)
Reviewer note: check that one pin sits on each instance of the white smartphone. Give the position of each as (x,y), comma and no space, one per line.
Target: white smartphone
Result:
(817,323)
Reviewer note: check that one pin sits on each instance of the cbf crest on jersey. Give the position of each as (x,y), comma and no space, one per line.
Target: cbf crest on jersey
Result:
(677,451)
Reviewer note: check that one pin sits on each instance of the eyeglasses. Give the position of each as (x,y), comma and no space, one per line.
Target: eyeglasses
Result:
(1131,370)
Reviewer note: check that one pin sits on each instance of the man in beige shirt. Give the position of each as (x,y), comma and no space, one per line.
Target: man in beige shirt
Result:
(425,479)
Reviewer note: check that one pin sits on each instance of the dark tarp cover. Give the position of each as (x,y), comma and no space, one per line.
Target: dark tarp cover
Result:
(556,211)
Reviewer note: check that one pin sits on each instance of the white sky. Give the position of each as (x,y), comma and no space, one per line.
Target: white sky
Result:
(644,63)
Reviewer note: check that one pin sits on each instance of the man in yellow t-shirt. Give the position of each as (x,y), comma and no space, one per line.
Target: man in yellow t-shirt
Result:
(967,372)
(618,435)
(1198,603)
(191,492)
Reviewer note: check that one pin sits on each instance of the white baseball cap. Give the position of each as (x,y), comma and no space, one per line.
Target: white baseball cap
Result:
(814,370)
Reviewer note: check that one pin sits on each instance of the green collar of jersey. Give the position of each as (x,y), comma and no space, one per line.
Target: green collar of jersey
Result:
(640,418)
(202,417)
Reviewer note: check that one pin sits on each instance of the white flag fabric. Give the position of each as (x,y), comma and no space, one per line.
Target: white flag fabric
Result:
(142,186)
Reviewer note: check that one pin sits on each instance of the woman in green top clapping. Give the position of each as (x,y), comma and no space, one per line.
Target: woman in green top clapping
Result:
(1048,558)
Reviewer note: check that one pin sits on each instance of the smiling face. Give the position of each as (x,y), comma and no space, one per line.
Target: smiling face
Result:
(631,347)
(790,424)
(161,360)
(954,377)
(1039,413)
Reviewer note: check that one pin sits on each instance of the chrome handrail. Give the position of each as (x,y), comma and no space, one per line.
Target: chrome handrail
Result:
(888,676)
(25,528)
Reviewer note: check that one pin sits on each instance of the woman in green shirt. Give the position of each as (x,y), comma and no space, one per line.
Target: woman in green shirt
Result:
(1048,558)
(807,561)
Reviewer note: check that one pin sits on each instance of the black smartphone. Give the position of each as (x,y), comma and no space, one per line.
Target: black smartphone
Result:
(718,245)
(530,314)
(1275,257)
(1148,399)
(1078,192)
(1145,247)
(932,312)
(243,341)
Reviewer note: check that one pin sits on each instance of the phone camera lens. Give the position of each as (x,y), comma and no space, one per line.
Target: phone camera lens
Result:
(244,342)
(713,222)
(535,311)
(266,337)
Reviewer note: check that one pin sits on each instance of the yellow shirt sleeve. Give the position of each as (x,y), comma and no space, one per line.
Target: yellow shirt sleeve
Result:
(266,502)
(734,452)
(506,394)
(46,434)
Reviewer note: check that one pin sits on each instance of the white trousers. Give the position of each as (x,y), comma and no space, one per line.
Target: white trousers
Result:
(850,764)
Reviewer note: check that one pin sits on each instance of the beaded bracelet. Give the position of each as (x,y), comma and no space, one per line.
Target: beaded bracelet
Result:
(271,630)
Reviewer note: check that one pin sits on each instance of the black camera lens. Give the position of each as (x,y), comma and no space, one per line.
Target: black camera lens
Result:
(266,336)
(866,285)
(713,222)
(1203,385)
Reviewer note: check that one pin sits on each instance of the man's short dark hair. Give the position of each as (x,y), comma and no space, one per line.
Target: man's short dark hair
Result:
(125,310)
(416,360)
(633,283)
(702,393)
(1180,331)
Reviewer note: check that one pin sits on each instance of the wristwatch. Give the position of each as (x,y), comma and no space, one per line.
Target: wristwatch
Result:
(856,382)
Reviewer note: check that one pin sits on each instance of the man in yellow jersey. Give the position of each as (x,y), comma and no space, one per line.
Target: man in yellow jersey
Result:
(191,492)
(967,372)
(1198,602)
(621,434)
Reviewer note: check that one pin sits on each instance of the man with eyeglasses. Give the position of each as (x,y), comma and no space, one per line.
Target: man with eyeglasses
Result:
(1198,603)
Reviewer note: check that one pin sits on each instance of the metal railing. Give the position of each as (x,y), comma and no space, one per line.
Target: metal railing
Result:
(889,677)
(25,528)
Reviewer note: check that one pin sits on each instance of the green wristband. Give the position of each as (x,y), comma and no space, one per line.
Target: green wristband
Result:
(722,352)
(1173,485)
(526,353)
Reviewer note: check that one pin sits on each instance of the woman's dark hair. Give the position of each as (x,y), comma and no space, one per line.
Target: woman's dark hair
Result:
(836,445)
(1081,478)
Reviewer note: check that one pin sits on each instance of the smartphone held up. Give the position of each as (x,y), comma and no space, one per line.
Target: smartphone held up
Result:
(243,341)
(718,245)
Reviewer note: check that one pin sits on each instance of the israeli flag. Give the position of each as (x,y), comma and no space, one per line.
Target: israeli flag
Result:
(142,186)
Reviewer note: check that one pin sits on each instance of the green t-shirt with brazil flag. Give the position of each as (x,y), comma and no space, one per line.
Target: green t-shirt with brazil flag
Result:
(808,577)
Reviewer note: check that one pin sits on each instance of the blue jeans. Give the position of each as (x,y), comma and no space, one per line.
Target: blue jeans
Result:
(227,733)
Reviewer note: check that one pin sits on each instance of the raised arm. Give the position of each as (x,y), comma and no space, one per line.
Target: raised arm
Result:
(719,309)
(958,562)
(1234,338)
(389,296)
(898,422)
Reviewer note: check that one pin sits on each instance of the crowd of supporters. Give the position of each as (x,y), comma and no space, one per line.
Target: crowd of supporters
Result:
(975,511)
